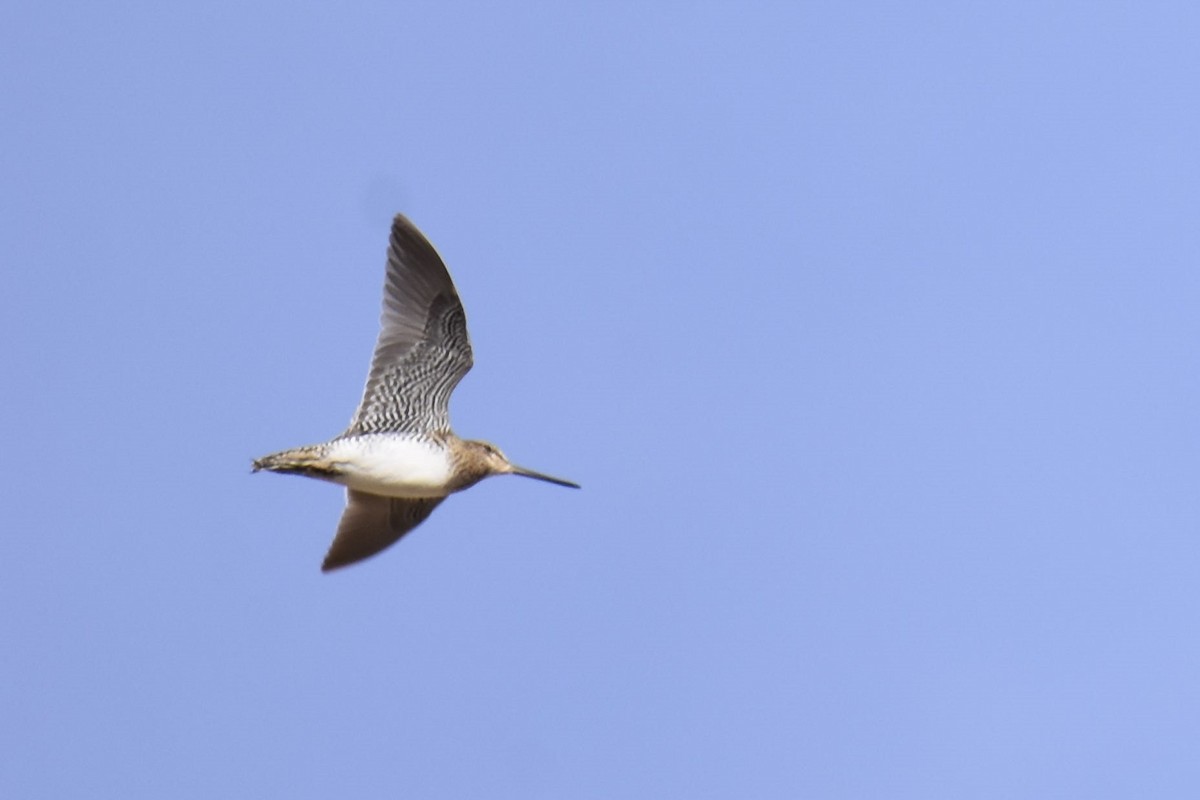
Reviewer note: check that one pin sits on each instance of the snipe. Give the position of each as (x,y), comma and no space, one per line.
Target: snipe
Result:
(399,459)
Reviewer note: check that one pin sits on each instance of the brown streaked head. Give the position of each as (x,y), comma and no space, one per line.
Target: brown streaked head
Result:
(496,463)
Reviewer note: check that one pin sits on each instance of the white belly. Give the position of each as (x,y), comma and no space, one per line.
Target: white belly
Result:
(392,466)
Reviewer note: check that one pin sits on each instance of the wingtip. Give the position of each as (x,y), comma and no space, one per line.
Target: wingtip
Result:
(403,226)
(334,561)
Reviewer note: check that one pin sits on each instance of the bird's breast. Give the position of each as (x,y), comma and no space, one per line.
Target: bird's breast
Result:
(392,465)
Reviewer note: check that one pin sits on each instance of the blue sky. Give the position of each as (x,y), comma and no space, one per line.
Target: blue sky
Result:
(869,329)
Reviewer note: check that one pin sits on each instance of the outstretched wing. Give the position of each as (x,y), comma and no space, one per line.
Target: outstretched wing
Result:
(423,349)
(372,523)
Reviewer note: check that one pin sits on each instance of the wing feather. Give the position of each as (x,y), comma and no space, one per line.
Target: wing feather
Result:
(372,523)
(423,349)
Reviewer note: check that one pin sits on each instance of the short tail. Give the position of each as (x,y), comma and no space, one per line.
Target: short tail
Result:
(308,461)
(276,462)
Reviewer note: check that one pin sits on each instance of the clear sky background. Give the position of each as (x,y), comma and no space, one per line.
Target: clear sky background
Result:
(870,331)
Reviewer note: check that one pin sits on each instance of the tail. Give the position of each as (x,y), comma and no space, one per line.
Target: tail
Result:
(309,461)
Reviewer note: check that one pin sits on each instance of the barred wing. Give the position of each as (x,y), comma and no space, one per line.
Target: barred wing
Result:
(423,349)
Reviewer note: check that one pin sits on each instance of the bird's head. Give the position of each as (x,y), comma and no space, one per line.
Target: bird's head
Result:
(496,463)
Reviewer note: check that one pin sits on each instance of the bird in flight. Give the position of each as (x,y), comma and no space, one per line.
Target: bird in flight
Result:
(399,459)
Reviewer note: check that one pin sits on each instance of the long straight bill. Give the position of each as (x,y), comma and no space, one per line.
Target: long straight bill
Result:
(528,473)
